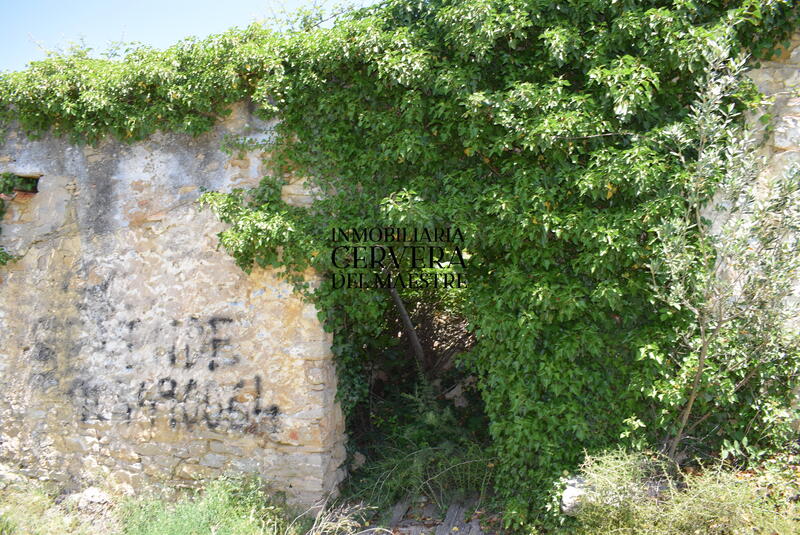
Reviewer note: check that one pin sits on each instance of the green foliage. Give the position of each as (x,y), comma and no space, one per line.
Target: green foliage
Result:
(441,473)
(633,494)
(427,449)
(185,88)
(35,508)
(8,181)
(542,130)
(228,505)
(732,373)
(224,507)
(7,527)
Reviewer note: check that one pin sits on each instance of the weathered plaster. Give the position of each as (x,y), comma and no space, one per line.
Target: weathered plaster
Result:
(133,350)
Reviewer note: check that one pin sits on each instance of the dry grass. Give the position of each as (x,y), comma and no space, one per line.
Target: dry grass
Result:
(633,494)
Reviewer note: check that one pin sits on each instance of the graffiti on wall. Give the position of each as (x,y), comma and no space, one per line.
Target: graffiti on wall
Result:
(184,373)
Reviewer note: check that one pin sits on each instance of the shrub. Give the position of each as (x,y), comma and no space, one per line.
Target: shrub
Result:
(630,493)
(422,448)
(545,136)
(731,372)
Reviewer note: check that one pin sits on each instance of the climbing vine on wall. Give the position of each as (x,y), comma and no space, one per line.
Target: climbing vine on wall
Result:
(539,128)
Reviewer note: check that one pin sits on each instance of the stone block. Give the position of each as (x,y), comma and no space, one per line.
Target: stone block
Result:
(148,448)
(125,453)
(213,460)
(787,133)
(194,472)
(218,446)
(76,444)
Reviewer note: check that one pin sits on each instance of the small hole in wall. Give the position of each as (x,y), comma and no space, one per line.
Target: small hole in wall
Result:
(22,186)
(27,184)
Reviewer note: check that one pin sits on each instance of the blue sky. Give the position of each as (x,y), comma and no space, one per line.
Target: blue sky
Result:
(29,27)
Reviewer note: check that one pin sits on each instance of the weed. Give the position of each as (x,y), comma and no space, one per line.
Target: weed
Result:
(226,506)
(633,494)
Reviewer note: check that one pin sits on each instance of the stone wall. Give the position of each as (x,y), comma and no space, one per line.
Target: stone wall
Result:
(780,80)
(134,351)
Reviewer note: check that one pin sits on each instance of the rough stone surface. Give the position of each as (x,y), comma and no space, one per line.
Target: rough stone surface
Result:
(780,79)
(136,352)
(571,496)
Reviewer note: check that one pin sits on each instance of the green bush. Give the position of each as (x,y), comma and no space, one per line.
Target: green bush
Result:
(629,493)
(546,132)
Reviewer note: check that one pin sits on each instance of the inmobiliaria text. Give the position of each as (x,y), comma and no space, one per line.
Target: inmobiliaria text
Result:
(397,257)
